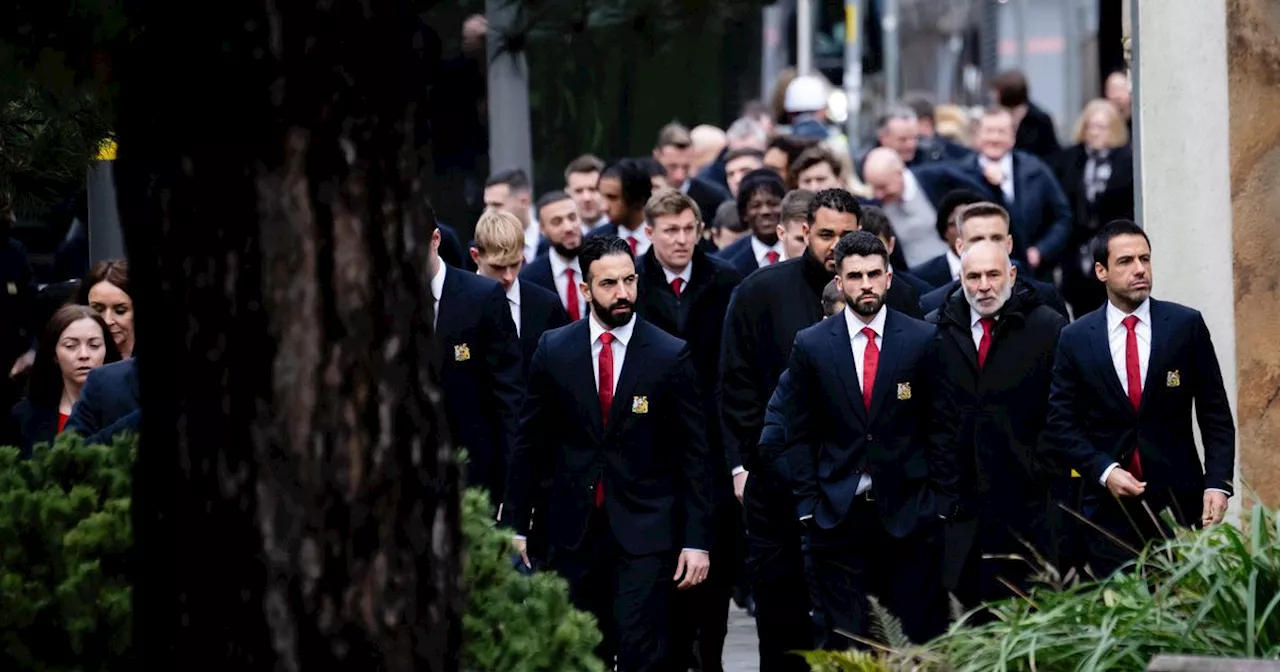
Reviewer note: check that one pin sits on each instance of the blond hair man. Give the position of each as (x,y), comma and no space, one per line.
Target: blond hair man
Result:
(498,253)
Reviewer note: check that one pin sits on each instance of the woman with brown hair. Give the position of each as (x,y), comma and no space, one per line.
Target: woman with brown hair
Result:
(74,343)
(106,290)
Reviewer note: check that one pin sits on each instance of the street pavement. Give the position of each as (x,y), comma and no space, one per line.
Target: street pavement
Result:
(740,653)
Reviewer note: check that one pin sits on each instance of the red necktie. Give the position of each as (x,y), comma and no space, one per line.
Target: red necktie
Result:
(606,396)
(571,296)
(1133,372)
(676,286)
(984,345)
(870,360)
(771,256)
(633,243)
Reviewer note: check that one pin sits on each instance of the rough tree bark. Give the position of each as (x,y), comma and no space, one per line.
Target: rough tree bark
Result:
(296,502)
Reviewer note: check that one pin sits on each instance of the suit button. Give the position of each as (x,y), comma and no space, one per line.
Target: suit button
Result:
(870,438)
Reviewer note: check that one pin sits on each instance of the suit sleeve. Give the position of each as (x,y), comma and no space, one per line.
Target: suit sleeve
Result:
(1067,440)
(1213,411)
(529,453)
(800,431)
(1058,213)
(559,317)
(86,415)
(688,429)
(504,366)
(741,407)
(943,432)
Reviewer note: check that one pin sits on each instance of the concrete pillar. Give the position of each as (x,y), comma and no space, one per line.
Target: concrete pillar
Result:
(1181,147)
(510,134)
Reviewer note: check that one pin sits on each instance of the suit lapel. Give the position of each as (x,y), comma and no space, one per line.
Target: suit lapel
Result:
(1159,352)
(1100,345)
(448,306)
(846,370)
(1020,187)
(581,369)
(632,365)
(890,353)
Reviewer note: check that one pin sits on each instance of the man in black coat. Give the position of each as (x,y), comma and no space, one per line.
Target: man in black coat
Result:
(674,152)
(765,313)
(1124,380)
(110,403)
(996,351)
(685,292)
(988,221)
(480,369)
(614,416)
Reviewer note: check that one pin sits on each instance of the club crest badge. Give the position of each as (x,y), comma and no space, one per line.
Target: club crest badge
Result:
(1173,379)
(640,405)
(461,353)
(904,391)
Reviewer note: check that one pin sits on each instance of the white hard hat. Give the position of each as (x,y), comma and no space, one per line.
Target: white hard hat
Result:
(805,93)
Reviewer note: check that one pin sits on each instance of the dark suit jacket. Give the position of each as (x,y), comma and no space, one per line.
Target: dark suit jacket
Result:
(540,312)
(902,297)
(538,272)
(1092,424)
(651,455)
(740,256)
(915,283)
(1115,202)
(1040,214)
(1034,291)
(707,195)
(935,272)
(36,423)
(480,373)
(110,403)
(1036,133)
(832,438)
(451,251)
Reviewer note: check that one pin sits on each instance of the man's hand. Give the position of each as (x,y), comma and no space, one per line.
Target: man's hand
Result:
(740,484)
(522,547)
(23,363)
(1033,257)
(1215,508)
(1122,484)
(995,176)
(693,566)
(474,31)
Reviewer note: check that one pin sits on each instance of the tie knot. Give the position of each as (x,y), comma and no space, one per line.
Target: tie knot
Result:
(606,338)
(988,324)
(1130,322)
(869,333)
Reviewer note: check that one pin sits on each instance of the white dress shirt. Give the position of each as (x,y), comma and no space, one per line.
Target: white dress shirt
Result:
(588,228)
(760,250)
(858,341)
(513,301)
(975,328)
(642,239)
(532,236)
(1006,169)
(684,276)
(561,279)
(437,290)
(953,263)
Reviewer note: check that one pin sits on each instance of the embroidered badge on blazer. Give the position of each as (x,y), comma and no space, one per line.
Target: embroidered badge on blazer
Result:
(1173,378)
(640,405)
(461,353)
(904,391)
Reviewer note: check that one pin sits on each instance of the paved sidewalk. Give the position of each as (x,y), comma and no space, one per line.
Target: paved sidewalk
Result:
(740,653)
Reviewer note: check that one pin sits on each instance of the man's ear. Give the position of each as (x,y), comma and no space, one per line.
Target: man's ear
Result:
(1013,272)
(475,256)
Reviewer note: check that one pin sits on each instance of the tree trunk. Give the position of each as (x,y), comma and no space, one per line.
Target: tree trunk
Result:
(296,501)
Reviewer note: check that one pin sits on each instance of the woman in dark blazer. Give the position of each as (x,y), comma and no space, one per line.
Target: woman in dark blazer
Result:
(1096,174)
(75,342)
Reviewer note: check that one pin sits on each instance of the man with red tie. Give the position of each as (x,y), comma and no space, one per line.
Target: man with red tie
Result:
(625,187)
(866,454)
(557,269)
(760,207)
(614,416)
(1124,380)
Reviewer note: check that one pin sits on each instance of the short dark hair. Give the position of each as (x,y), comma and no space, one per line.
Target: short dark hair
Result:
(634,178)
(954,199)
(834,199)
(795,205)
(727,218)
(549,198)
(920,104)
(875,222)
(812,157)
(596,247)
(983,209)
(515,179)
(675,135)
(831,295)
(587,163)
(651,166)
(861,244)
(761,179)
(1100,246)
(1010,87)
(740,152)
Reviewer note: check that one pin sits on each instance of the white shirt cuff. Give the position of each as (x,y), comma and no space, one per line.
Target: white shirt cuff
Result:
(804,518)
(695,550)
(1107,472)
(737,470)
(520,537)
(1218,490)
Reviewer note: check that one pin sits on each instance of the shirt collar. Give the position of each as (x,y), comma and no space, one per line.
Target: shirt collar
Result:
(1005,163)
(1115,316)
(531,234)
(953,263)
(621,334)
(437,282)
(975,317)
(759,249)
(910,187)
(559,263)
(513,294)
(856,326)
(685,275)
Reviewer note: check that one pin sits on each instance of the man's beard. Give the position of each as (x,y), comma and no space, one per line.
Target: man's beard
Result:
(864,309)
(610,319)
(1004,296)
(566,252)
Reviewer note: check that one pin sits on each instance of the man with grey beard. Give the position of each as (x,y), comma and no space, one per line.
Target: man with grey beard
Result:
(996,348)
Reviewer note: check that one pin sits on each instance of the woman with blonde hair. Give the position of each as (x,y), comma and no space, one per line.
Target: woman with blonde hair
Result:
(1096,173)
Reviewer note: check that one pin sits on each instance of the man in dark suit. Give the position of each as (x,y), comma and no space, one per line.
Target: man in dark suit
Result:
(867,455)
(996,354)
(110,403)
(1035,127)
(625,187)
(480,368)
(765,313)
(945,268)
(1024,185)
(685,292)
(760,206)
(1124,380)
(613,414)
(557,270)
(988,221)
(674,152)
(510,191)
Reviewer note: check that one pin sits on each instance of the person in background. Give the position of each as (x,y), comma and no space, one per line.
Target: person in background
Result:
(727,228)
(816,169)
(945,268)
(899,130)
(74,343)
(746,133)
(1035,127)
(1119,92)
(832,300)
(759,206)
(106,290)
(511,191)
(793,230)
(952,123)
(557,270)
(656,172)
(758,111)
(782,151)
(626,186)
(674,150)
(909,195)
(931,145)
(1096,174)
(906,288)
(709,142)
(581,178)
(17,303)
(739,162)
(806,105)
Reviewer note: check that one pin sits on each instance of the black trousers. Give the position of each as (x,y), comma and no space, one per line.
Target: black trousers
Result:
(1003,542)
(775,570)
(630,596)
(701,614)
(858,559)
(1128,520)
